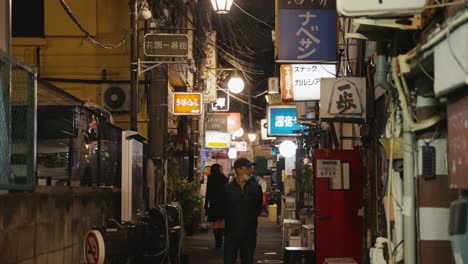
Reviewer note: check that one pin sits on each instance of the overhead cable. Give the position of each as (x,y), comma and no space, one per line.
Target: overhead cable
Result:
(245,12)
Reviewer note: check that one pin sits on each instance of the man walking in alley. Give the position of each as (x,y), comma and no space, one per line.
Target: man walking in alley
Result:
(243,205)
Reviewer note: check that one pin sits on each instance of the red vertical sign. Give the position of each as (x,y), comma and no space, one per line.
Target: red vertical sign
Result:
(338,199)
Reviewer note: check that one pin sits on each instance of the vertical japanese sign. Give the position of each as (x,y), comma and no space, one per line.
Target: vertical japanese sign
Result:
(210,62)
(306,30)
(282,121)
(187,104)
(343,98)
(301,82)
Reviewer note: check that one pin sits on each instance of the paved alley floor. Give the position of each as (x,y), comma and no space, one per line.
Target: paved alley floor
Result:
(200,246)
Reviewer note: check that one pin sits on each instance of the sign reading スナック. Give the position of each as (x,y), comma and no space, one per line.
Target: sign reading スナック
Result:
(187,104)
(166,45)
(306,30)
(282,121)
(301,82)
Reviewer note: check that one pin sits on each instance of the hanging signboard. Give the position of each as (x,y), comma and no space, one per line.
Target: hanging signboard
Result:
(216,121)
(166,45)
(273,85)
(328,168)
(264,130)
(343,98)
(239,145)
(282,121)
(215,139)
(221,103)
(301,82)
(306,31)
(210,62)
(187,104)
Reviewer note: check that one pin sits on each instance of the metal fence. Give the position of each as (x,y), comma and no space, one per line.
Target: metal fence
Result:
(17,124)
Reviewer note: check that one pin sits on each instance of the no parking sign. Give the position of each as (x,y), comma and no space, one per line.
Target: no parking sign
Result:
(94,248)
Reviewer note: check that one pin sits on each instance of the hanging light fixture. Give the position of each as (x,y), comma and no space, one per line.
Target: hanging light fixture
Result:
(252,136)
(221,6)
(236,84)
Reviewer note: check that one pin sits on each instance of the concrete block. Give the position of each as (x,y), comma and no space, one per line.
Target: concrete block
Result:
(42,259)
(68,255)
(8,246)
(43,231)
(28,261)
(25,236)
(56,257)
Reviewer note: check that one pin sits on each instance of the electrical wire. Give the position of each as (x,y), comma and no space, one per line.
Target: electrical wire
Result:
(425,72)
(446,4)
(87,34)
(245,12)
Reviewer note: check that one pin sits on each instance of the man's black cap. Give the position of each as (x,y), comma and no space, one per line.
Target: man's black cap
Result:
(241,162)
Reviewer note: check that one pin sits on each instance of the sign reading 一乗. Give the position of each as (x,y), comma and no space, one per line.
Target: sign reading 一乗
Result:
(328,168)
(187,104)
(306,30)
(343,98)
(301,82)
(282,121)
(166,45)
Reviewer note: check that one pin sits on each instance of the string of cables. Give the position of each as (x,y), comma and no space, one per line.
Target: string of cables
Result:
(87,34)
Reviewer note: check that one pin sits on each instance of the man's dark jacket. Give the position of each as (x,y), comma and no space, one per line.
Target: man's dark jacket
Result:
(242,208)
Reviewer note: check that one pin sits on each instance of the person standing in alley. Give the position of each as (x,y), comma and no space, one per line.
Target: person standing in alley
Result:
(243,205)
(214,202)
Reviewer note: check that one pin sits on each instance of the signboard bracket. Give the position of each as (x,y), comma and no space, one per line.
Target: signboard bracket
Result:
(142,68)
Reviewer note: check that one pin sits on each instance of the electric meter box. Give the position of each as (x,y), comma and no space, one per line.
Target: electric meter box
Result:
(376,8)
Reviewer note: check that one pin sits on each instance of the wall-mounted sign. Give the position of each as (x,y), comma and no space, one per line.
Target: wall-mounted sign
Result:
(306,31)
(301,82)
(273,85)
(166,45)
(221,104)
(214,139)
(282,121)
(343,98)
(264,130)
(328,168)
(216,121)
(233,122)
(187,104)
(210,62)
(239,145)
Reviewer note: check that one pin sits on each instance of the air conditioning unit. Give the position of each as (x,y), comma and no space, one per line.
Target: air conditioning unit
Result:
(375,8)
(116,97)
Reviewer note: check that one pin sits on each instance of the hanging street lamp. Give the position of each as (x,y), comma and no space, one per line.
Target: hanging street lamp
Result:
(221,6)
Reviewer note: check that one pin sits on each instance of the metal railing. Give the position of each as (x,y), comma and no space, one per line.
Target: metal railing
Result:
(17,124)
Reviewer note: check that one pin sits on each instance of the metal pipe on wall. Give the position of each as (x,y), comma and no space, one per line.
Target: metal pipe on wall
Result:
(409,214)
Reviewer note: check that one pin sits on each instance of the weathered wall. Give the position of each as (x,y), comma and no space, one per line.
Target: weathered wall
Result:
(48,227)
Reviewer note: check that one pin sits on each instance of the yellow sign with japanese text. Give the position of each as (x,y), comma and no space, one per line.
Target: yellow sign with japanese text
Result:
(187,104)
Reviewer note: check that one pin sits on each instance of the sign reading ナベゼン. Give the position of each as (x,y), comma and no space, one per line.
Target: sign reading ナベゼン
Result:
(306,30)
(166,45)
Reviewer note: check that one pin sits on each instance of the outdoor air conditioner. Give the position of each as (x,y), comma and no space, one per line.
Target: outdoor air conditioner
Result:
(377,8)
(116,97)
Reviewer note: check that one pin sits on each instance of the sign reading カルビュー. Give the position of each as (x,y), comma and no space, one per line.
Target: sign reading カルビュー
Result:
(187,104)
(166,45)
(306,31)
(301,82)
(282,121)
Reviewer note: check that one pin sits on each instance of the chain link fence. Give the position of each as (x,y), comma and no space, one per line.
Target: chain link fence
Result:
(17,124)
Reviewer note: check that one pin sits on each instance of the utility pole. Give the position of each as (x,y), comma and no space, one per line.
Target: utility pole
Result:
(133,66)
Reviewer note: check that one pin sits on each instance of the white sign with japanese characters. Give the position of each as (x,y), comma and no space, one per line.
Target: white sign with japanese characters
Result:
(301,82)
(328,168)
(343,98)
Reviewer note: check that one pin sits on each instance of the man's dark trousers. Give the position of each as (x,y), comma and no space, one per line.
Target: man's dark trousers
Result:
(243,243)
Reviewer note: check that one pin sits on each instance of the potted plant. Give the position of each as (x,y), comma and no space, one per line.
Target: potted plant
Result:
(180,189)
